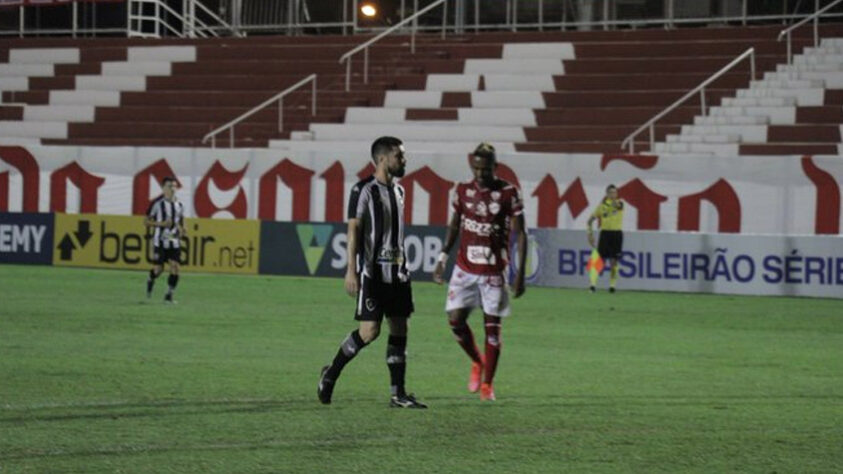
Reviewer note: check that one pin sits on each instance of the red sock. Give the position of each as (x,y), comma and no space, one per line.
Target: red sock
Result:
(465,339)
(493,347)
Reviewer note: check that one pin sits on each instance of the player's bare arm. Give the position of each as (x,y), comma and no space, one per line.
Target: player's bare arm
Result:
(149,222)
(352,282)
(590,231)
(521,243)
(451,237)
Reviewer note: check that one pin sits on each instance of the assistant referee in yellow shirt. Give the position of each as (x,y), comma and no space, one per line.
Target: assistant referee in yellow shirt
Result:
(609,214)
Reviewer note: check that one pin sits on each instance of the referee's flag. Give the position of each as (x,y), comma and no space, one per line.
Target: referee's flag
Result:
(595,266)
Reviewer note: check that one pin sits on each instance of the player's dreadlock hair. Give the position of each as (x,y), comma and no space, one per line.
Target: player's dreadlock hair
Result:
(384,145)
(485,150)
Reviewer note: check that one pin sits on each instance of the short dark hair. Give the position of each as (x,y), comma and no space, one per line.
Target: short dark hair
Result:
(168,179)
(384,145)
(610,187)
(485,150)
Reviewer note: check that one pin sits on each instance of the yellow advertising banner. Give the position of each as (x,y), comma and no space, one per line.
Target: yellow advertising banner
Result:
(211,245)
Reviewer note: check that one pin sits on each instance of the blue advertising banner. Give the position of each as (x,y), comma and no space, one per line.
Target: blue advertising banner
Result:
(693,262)
(26,238)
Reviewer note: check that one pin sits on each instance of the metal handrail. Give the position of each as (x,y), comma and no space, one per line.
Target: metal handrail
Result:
(630,139)
(204,29)
(277,97)
(141,17)
(816,17)
(542,23)
(216,18)
(365,46)
(191,24)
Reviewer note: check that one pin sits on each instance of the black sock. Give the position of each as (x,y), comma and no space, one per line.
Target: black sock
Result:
(150,280)
(349,348)
(396,360)
(172,281)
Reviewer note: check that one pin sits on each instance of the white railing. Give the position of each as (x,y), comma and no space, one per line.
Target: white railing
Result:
(189,25)
(816,18)
(192,5)
(279,97)
(630,139)
(136,19)
(266,17)
(346,58)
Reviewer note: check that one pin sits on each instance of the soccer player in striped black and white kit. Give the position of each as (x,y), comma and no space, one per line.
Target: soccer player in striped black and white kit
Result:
(377,273)
(165,216)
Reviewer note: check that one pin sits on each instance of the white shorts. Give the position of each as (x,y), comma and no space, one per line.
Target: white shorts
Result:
(467,290)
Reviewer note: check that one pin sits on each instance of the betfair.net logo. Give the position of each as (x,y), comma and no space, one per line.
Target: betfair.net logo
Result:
(75,240)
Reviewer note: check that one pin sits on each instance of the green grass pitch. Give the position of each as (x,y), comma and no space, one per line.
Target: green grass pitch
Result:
(95,378)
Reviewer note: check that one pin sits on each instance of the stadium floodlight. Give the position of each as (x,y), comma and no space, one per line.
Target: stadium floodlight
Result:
(368,10)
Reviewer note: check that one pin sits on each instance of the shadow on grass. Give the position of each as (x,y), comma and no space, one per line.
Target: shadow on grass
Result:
(181,407)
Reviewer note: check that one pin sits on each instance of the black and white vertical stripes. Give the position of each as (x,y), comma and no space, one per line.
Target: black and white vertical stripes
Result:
(380,209)
(162,210)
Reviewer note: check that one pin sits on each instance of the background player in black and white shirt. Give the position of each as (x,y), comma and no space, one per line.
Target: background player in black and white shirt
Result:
(165,216)
(377,272)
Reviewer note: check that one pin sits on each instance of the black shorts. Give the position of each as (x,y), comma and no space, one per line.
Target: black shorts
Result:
(610,244)
(376,299)
(164,255)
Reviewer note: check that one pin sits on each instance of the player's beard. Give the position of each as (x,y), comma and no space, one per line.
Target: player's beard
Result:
(397,172)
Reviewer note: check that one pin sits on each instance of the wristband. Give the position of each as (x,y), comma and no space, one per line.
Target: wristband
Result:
(443,257)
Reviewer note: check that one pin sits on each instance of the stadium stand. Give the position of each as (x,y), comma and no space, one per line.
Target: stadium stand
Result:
(553,91)
(64,88)
(797,109)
